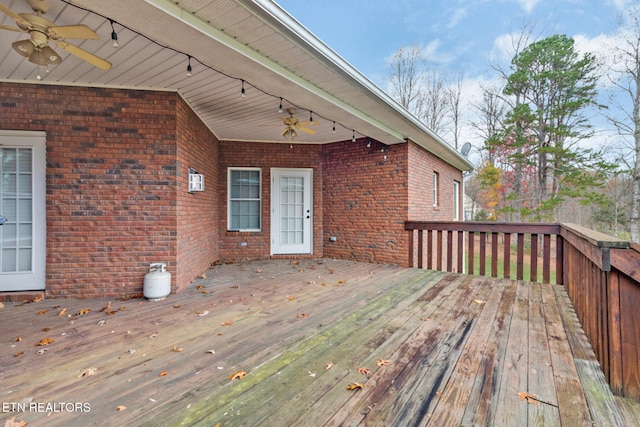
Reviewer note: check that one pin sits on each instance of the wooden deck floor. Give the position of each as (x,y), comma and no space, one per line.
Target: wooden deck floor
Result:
(428,348)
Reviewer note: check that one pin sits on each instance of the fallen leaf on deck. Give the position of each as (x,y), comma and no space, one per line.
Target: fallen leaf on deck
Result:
(83,312)
(259,270)
(291,298)
(227,323)
(341,281)
(203,276)
(478,301)
(212,351)
(235,287)
(312,282)
(383,362)
(153,336)
(355,386)
(424,318)
(176,306)
(364,371)
(46,329)
(237,375)
(102,322)
(163,374)
(11,422)
(88,372)
(62,312)
(131,351)
(18,339)
(199,288)
(329,366)
(38,313)
(45,341)
(18,354)
(120,408)
(108,307)
(530,398)
(302,315)
(41,351)
(311,374)
(202,312)
(177,349)
(38,299)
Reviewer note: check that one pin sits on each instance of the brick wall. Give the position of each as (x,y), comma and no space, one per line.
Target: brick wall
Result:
(112,160)
(422,164)
(266,156)
(197,213)
(365,201)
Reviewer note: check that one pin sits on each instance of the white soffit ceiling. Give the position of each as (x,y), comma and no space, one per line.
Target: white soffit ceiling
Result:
(229,41)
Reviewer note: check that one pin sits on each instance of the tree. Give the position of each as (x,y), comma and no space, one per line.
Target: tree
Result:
(552,86)
(627,80)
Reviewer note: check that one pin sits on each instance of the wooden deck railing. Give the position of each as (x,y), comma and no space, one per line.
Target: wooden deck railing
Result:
(601,275)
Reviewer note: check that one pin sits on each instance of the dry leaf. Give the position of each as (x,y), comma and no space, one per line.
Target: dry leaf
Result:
(424,318)
(478,301)
(83,312)
(227,323)
(18,339)
(153,336)
(46,329)
(108,307)
(102,322)
(45,341)
(237,375)
(311,374)
(312,282)
(41,351)
(62,312)
(202,312)
(383,362)
(203,276)
(235,287)
(302,315)
(18,354)
(341,281)
(329,366)
(11,422)
(88,372)
(355,386)
(199,288)
(291,298)
(163,374)
(38,313)
(120,408)
(38,299)
(364,371)
(177,349)
(530,398)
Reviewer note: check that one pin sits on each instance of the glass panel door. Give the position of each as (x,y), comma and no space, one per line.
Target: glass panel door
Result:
(291,202)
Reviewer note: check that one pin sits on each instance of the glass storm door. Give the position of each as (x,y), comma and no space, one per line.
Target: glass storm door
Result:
(22,203)
(291,216)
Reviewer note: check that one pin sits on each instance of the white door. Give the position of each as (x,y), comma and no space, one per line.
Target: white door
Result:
(22,203)
(291,211)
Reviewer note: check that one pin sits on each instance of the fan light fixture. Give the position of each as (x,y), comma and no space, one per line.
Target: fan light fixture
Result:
(189,69)
(114,35)
(334,127)
(242,91)
(280,106)
(353,138)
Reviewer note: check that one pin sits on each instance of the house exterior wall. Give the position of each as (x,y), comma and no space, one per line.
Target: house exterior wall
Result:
(265,157)
(197,212)
(365,201)
(422,164)
(111,180)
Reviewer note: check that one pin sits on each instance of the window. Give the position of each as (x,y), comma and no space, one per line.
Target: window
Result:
(244,199)
(436,183)
(456,200)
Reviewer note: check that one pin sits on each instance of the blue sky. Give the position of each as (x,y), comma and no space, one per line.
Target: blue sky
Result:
(459,36)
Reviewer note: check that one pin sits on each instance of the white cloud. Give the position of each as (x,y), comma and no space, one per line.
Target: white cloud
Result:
(528,5)
(456,17)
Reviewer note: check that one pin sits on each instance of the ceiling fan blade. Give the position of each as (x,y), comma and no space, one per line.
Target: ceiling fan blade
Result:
(307,130)
(19,19)
(307,123)
(72,32)
(84,55)
(6,27)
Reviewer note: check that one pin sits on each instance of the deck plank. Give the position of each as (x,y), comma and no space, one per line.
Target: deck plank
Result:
(460,349)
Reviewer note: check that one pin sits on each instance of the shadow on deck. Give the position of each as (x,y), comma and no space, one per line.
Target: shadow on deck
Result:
(427,348)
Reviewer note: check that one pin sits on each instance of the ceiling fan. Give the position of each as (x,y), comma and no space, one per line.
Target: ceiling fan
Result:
(292,124)
(36,49)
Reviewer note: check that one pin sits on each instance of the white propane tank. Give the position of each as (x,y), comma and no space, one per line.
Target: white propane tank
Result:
(157,282)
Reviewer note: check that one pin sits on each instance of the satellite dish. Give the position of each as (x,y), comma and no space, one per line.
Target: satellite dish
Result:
(466,147)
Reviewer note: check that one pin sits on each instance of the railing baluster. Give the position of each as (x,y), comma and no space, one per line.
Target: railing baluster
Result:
(546,259)
(420,254)
(460,249)
(483,252)
(439,249)
(429,249)
(494,254)
(449,250)
(520,257)
(507,255)
(534,258)
(471,257)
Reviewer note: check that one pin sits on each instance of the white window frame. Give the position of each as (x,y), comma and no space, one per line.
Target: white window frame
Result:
(456,200)
(436,183)
(230,170)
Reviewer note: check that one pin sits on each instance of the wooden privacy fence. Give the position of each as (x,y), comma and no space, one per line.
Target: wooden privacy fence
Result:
(600,273)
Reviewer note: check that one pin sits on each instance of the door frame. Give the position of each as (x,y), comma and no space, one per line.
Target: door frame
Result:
(307,246)
(36,140)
